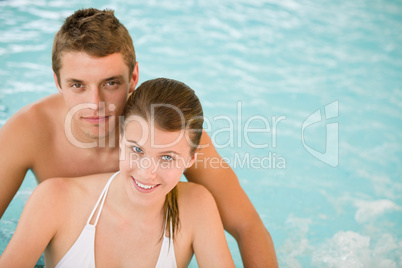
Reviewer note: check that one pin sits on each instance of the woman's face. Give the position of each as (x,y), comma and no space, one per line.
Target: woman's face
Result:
(152,160)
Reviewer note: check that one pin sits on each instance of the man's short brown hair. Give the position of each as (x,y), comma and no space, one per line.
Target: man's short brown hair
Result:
(95,32)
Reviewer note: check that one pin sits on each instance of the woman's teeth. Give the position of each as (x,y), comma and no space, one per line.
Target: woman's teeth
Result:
(144,186)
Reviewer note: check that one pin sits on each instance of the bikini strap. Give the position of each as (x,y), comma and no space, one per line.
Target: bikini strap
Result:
(102,199)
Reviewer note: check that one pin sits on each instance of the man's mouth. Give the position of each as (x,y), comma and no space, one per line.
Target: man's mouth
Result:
(95,119)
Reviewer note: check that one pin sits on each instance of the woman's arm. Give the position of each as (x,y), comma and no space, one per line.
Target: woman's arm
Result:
(209,242)
(36,227)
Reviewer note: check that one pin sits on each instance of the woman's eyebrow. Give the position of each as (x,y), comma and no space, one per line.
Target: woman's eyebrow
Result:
(170,152)
(131,141)
(160,153)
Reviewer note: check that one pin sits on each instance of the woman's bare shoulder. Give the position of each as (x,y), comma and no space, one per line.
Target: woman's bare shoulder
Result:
(195,199)
(61,190)
(192,190)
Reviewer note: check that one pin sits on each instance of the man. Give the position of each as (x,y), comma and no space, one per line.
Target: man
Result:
(75,133)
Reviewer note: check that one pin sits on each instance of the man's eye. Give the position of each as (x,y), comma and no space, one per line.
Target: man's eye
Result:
(112,83)
(167,158)
(76,85)
(136,149)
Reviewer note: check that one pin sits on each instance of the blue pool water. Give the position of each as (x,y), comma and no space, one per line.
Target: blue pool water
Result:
(320,80)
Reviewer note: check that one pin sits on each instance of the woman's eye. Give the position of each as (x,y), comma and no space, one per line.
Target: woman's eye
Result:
(167,158)
(137,149)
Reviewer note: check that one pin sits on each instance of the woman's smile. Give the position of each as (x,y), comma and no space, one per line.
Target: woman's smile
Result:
(144,188)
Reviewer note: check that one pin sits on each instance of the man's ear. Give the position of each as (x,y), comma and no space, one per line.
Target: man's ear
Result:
(56,81)
(134,79)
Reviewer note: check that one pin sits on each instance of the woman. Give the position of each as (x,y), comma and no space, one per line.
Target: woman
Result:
(135,212)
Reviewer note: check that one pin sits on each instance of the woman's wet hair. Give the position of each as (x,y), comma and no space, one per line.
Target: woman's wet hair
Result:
(171,106)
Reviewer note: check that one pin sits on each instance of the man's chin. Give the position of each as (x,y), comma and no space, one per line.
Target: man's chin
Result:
(102,137)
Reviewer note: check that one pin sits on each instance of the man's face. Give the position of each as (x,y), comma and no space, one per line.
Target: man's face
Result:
(95,91)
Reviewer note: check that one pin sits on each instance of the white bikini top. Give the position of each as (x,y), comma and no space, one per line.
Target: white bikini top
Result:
(82,253)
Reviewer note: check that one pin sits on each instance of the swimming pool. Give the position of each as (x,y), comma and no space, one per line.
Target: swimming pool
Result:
(320,81)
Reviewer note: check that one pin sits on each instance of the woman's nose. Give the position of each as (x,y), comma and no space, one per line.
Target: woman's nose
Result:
(147,168)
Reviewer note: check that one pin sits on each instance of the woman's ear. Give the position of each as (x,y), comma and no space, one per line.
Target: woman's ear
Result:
(193,159)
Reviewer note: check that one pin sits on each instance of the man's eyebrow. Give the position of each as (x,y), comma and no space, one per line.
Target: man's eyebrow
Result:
(73,80)
(115,77)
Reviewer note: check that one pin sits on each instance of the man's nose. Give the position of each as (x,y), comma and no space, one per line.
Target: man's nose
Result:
(96,97)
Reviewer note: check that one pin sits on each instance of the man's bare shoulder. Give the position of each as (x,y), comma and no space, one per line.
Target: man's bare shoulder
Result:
(36,118)
(28,132)
(40,112)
